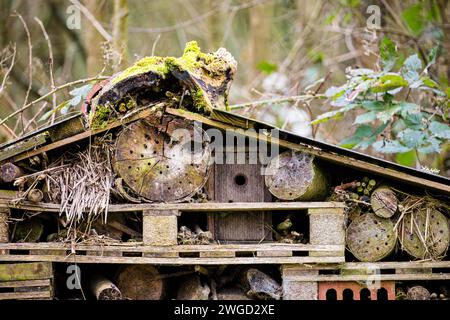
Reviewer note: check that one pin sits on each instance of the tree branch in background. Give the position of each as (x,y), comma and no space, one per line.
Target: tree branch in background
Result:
(120,34)
(30,65)
(50,54)
(5,57)
(292,99)
(56,14)
(97,25)
(64,86)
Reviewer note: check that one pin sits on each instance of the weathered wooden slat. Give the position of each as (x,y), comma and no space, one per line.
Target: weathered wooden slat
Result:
(139,247)
(386,265)
(24,271)
(25,283)
(23,146)
(25,295)
(380,277)
(189,207)
(324,154)
(173,261)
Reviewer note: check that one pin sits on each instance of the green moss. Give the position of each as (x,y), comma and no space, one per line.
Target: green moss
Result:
(147,64)
(100,118)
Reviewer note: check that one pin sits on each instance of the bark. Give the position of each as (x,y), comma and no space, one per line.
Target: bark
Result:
(295,175)
(4,228)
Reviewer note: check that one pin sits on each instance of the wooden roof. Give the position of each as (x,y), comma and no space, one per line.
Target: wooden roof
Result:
(231,121)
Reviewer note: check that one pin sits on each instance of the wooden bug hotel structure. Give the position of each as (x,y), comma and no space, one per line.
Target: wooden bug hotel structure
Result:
(136,202)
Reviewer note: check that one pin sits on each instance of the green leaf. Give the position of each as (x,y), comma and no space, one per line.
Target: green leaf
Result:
(432,145)
(439,129)
(429,82)
(414,120)
(412,138)
(414,18)
(267,67)
(390,146)
(49,113)
(334,114)
(366,117)
(388,54)
(407,108)
(410,69)
(387,115)
(432,57)
(389,82)
(373,105)
(406,158)
(335,92)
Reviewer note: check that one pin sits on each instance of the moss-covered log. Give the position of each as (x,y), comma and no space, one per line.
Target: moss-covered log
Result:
(140,282)
(294,175)
(29,230)
(384,202)
(206,76)
(371,238)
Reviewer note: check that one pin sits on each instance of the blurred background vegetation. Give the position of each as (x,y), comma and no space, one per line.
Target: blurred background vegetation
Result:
(284,48)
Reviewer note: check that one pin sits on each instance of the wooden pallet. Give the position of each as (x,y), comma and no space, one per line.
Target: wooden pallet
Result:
(173,255)
(30,281)
(303,282)
(160,230)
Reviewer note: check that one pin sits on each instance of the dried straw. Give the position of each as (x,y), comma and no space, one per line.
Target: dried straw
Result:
(84,186)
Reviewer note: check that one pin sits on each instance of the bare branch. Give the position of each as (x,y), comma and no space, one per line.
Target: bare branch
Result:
(97,25)
(50,54)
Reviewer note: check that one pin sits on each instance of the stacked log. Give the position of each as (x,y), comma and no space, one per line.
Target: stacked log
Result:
(104,289)
(384,202)
(294,175)
(371,238)
(140,282)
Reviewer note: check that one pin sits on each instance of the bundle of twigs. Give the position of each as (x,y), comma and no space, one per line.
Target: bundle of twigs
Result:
(84,186)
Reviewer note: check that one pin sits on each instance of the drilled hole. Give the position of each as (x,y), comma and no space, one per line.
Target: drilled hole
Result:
(240,179)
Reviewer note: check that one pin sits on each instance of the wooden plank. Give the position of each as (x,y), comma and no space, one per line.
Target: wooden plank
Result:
(188,207)
(24,271)
(8,194)
(25,283)
(25,295)
(386,265)
(336,158)
(237,226)
(277,253)
(380,277)
(23,146)
(217,254)
(139,247)
(174,261)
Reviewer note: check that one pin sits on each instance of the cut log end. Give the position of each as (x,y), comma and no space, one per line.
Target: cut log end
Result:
(418,293)
(371,238)
(140,282)
(294,175)
(104,289)
(384,202)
